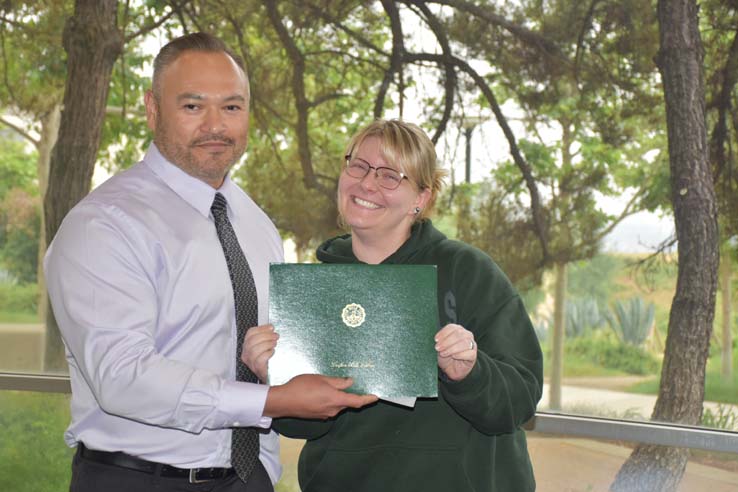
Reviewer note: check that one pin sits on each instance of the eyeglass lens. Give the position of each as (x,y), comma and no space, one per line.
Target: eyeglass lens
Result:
(386,177)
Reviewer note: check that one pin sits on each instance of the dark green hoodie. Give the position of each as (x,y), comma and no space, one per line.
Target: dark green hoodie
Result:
(469,438)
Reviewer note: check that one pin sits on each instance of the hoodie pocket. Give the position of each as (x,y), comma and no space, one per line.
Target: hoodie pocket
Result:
(387,469)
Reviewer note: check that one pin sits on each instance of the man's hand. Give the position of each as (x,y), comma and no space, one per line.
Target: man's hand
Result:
(312,396)
(258,348)
(457,351)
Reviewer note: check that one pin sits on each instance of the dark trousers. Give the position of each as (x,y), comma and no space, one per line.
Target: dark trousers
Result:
(90,476)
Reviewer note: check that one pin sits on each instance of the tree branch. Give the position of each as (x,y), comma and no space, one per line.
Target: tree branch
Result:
(6,81)
(580,39)
(520,162)
(723,104)
(548,47)
(20,131)
(150,27)
(450,81)
(627,211)
(298,91)
(10,22)
(321,12)
(398,49)
(325,97)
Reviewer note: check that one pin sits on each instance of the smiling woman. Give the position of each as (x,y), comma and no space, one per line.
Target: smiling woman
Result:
(371,207)
(488,358)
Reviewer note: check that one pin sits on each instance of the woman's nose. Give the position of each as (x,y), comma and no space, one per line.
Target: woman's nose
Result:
(369,182)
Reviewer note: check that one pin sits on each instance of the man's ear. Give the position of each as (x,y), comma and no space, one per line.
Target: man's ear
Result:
(152,109)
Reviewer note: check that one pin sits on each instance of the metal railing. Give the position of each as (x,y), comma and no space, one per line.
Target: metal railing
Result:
(658,433)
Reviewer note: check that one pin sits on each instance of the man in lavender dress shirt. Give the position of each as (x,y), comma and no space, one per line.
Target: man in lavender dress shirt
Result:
(141,293)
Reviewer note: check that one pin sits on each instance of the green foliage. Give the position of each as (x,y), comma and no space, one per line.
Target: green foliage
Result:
(20,222)
(717,387)
(593,278)
(614,355)
(606,112)
(578,365)
(17,166)
(19,298)
(724,417)
(489,220)
(717,19)
(19,211)
(125,134)
(582,316)
(33,57)
(631,320)
(15,317)
(33,455)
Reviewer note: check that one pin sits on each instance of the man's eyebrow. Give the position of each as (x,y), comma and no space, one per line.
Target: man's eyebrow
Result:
(189,96)
(235,97)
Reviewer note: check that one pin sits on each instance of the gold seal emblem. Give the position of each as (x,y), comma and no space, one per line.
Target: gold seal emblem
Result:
(353,315)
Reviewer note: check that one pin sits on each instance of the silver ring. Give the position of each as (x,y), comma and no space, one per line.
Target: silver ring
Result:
(471,344)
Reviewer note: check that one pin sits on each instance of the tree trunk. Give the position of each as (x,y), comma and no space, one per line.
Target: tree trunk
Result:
(93,43)
(726,272)
(559,331)
(49,132)
(681,393)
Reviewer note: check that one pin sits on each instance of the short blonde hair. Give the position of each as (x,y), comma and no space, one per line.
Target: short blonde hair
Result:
(408,147)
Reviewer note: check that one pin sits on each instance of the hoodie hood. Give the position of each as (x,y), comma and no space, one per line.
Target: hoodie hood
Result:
(422,235)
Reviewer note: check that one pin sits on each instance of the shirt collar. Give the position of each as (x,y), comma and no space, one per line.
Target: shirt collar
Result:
(192,190)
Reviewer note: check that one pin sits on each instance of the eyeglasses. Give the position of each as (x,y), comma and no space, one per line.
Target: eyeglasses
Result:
(387,177)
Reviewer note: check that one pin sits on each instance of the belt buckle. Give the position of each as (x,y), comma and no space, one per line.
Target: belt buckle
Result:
(193,476)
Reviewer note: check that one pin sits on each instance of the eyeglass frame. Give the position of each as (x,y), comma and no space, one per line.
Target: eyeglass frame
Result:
(376,170)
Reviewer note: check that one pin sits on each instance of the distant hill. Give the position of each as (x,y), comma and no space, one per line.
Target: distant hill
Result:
(640,233)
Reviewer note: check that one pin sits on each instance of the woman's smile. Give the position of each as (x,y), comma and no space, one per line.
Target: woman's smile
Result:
(365,203)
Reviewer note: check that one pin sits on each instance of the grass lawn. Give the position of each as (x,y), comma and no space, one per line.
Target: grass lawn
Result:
(717,388)
(11,317)
(33,455)
(575,366)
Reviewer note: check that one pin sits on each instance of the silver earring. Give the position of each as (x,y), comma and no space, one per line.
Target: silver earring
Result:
(417,210)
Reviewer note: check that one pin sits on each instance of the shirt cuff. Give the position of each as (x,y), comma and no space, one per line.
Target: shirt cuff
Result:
(242,404)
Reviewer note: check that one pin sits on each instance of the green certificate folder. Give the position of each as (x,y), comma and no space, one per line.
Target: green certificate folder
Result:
(374,323)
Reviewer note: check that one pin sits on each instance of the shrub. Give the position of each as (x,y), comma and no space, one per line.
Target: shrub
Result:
(725,417)
(19,298)
(614,355)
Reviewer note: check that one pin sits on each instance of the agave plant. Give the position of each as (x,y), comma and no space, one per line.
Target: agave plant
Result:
(631,320)
(582,315)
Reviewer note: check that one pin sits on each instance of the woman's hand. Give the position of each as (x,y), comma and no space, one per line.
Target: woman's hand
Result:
(258,348)
(457,351)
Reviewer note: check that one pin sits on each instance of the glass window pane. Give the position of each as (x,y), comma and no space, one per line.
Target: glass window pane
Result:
(606,356)
(586,465)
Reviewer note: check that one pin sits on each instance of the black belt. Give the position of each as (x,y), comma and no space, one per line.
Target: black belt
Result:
(123,460)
